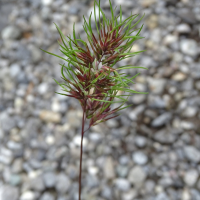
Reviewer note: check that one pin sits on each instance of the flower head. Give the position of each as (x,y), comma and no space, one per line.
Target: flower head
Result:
(91,76)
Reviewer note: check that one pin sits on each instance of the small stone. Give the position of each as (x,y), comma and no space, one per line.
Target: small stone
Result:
(95,137)
(122,184)
(165,137)
(9,193)
(62,183)
(92,181)
(6,156)
(183,28)
(170,39)
(186,195)
(156,101)
(178,57)
(197,85)
(127,4)
(140,158)
(122,170)
(17,165)
(14,70)
(55,106)
(140,141)
(106,192)
(7,122)
(149,186)
(147,3)
(152,21)
(166,182)
(162,196)
(15,179)
(162,119)
(190,111)
(36,54)
(179,76)
(47,2)
(42,88)
(138,98)
(156,85)
(74,118)
(195,194)
(28,195)
(191,177)
(49,116)
(46,13)
(37,183)
(124,159)
(192,154)
(74,8)
(35,21)
(109,168)
(187,15)
(137,175)
(14,145)
(11,32)
(49,179)
(133,115)
(189,47)
(50,140)
(77,141)
(112,123)
(186,125)
(129,195)
(47,196)
(18,103)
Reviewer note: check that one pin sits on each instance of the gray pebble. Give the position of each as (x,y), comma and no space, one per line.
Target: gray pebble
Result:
(140,158)
(122,171)
(47,196)
(164,136)
(9,193)
(62,183)
(137,175)
(192,154)
(14,70)
(37,184)
(191,177)
(162,119)
(49,179)
(156,85)
(7,122)
(122,184)
(106,192)
(189,47)
(140,141)
(92,181)
(124,160)
(11,32)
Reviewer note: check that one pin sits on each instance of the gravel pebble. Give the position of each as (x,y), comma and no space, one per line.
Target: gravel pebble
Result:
(137,175)
(122,184)
(9,193)
(11,32)
(189,47)
(62,183)
(192,154)
(140,158)
(191,177)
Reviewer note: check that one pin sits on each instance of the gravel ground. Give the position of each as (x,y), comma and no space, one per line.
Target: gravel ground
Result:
(150,152)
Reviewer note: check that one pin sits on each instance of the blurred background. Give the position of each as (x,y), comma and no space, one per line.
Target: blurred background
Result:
(150,152)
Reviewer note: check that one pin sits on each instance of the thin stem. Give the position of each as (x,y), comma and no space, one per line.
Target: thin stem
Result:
(81,150)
